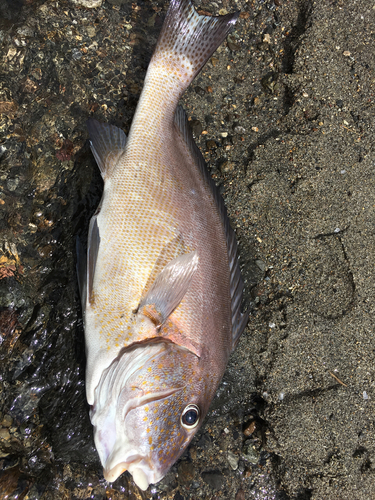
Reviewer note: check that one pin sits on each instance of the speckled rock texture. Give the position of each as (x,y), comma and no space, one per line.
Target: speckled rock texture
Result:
(284,115)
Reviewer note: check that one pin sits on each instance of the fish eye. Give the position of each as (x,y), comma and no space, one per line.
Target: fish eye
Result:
(190,416)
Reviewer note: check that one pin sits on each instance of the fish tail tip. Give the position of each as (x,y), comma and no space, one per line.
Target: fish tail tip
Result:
(188,39)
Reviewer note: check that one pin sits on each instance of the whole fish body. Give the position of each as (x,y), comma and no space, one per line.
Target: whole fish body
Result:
(161,289)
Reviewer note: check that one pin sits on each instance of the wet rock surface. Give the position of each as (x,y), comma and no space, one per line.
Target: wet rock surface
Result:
(284,115)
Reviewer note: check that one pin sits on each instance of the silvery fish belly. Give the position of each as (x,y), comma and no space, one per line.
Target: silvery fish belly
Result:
(161,288)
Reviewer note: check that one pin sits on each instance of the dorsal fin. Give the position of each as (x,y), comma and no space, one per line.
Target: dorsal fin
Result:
(239,319)
(107,144)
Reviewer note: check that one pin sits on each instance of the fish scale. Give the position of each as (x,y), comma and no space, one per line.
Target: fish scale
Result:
(161,290)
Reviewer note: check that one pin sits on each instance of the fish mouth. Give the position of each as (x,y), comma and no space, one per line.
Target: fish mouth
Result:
(138,467)
(119,392)
(116,462)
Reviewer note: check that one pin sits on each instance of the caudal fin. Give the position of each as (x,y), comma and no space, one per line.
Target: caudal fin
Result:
(188,39)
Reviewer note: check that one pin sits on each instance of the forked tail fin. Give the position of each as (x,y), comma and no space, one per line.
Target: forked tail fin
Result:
(188,39)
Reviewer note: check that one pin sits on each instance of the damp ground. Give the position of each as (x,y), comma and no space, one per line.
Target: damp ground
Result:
(284,115)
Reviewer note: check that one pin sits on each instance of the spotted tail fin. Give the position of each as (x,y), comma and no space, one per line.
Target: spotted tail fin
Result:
(188,39)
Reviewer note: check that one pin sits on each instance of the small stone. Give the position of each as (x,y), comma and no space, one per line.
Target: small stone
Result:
(211,145)
(91,31)
(250,428)
(267,38)
(196,127)
(8,108)
(12,184)
(225,166)
(89,4)
(238,129)
(185,472)
(255,129)
(199,91)
(193,452)
(240,495)
(233,46)
(262,266)
(233,460)
(4,434)
(7,421)
(178,496)
(251,454)
(215,479)
(76,54)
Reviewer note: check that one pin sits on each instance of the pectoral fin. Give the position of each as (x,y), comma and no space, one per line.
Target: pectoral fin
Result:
(93,243)
(170,286)
(81,268)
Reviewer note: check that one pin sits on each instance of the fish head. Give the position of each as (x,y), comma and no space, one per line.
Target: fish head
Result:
(148,406)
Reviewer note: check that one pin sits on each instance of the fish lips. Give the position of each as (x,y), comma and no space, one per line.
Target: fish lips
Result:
(124,456)
(139,468)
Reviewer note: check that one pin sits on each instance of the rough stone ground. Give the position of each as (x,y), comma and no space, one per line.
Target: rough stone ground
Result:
(284,114)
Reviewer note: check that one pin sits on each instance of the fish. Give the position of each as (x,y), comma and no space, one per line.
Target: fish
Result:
(160,282)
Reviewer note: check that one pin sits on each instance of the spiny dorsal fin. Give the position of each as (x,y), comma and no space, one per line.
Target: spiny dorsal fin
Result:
(239,319)
(107,144)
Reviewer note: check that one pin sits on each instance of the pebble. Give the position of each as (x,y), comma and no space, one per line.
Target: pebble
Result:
(233,460)
(262,266)
(198,90)
(185,472)
(251,454)
(12,184)
(4,434)
(240,495)
(215,479)
(267,38)
(91,31)
(226,166)
(239,130)
(211,145)
(249,429)
(89,4)
(7,421)
(196,127)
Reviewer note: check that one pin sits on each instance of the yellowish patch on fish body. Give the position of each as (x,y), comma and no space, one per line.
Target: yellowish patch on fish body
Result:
(161,290)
